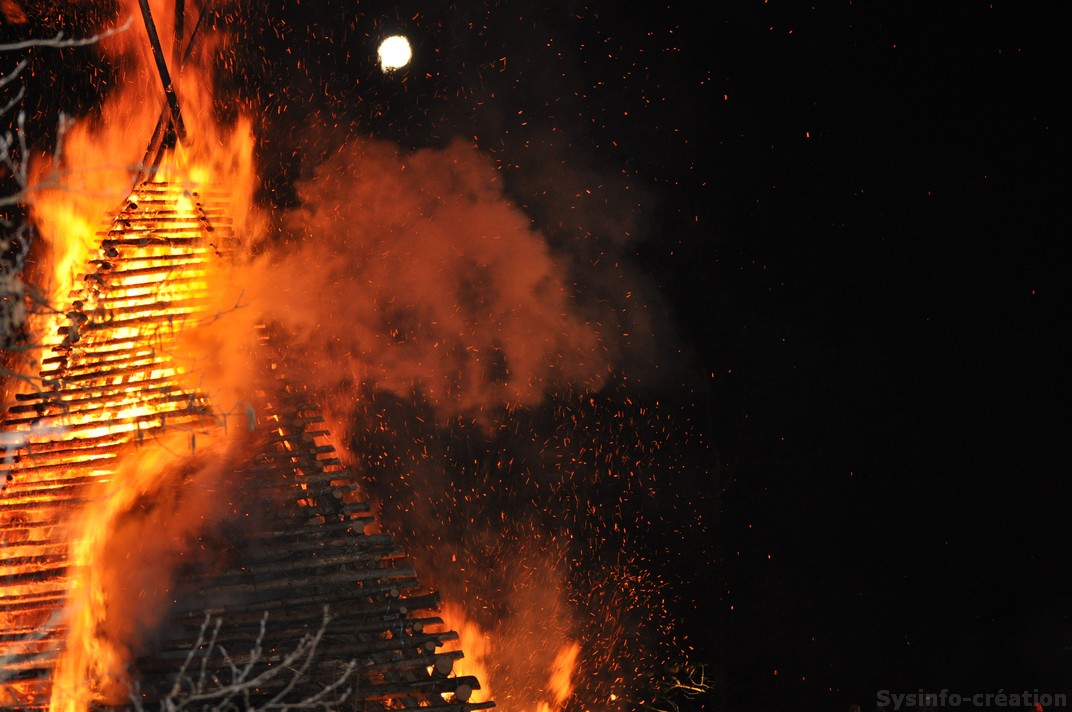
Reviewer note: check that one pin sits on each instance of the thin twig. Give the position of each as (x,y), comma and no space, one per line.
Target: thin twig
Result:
(60,42)
(208,693)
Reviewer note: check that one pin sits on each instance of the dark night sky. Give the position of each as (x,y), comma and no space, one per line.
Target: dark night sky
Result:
(849,211)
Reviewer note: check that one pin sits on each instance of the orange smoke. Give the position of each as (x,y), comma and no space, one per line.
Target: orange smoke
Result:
(413,274)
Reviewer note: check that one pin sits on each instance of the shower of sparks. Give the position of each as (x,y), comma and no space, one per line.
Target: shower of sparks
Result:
(394,53)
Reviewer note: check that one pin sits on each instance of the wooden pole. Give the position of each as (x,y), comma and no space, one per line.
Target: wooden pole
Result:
(161,66)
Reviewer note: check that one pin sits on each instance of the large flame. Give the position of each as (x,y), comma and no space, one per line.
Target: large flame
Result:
(98,164)
(116,559)
(100,159)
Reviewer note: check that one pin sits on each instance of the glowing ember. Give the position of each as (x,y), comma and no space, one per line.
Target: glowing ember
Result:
(395,53)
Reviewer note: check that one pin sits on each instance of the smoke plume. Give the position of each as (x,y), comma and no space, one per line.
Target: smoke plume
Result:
(412,274)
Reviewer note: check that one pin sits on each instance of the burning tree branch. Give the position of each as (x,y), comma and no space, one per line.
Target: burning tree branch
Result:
(209,693)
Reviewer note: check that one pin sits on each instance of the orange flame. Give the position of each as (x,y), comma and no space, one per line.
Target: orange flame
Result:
(477,646)
(560,686)
(92,666)
(477,643)
(97,166)
(100,159)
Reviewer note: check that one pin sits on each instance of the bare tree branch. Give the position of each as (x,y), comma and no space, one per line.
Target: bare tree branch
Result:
(207,692)
(17,299)
(60,42)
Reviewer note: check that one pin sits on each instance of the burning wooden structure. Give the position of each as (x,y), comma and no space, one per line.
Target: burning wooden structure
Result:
(295,530)
(287,541)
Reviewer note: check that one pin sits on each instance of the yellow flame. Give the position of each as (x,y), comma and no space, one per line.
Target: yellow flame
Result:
(477,646)
(70,201)
(477,643)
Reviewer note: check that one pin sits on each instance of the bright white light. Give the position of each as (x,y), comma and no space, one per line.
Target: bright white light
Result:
(395,53)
